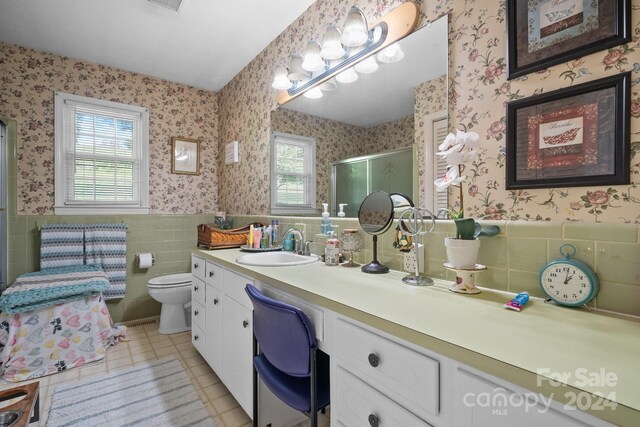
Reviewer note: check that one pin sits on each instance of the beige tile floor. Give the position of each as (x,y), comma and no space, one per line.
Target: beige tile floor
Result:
(147,344)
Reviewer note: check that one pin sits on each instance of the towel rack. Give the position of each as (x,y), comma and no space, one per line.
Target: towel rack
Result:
(39,226)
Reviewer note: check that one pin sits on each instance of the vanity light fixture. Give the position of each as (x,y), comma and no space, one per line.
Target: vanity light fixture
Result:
(356,31)
(312,59)
(390,54)
(331,45)
(367,65)
(280,79)
(347,76)
(321,63)
(296,72)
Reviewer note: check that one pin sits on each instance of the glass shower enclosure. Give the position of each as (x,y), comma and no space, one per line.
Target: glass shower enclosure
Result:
(353,179)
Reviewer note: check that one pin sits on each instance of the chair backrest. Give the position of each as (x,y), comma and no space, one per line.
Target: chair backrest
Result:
(284,333)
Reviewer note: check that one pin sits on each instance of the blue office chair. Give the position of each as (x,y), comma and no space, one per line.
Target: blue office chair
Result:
(288,362)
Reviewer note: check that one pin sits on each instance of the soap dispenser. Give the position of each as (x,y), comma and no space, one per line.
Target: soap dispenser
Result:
(325,226)
(341,213)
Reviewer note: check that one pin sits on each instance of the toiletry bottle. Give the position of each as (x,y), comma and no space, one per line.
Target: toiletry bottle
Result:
(257,235)
(250,238)
(268,236)
(289,242)
(341,214)
(274,233)
(325,226)
(332,250)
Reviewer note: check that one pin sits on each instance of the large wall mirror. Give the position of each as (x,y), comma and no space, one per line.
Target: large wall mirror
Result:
(379,132)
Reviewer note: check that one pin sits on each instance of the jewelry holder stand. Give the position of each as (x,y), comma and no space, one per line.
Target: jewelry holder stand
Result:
(465,279)
(412,224)
(351,241)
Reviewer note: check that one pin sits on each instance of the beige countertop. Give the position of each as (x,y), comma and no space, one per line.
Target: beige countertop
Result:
(476,330)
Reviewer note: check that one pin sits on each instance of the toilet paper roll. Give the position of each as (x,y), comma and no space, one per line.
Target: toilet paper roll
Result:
(145,260)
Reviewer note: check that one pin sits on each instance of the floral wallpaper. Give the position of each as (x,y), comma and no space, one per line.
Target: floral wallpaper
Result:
(478,91)
(389,136)
(29,80)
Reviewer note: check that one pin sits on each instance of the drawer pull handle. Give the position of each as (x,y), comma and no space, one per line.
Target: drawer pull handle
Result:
(195,289)
(195,337)
(195,266)
(195,313)
(211,274)
(374,360)
(215,301)
(245,323)
(373,420)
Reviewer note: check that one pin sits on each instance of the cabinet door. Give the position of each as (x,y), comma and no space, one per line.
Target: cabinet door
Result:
(237,352)
(213,328)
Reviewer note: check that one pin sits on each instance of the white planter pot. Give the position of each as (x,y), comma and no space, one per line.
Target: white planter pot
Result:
(462,253)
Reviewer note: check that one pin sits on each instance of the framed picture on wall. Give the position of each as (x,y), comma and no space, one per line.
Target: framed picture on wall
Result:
(185,156)
(577,136)
(541,33)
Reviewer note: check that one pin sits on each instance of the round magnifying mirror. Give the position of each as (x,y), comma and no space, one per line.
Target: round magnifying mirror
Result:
(375,216)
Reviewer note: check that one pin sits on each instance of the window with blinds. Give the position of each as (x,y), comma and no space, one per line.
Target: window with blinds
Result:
(101,156)
(293,177)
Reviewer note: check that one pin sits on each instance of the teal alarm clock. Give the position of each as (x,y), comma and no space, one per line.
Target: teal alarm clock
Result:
(568,281)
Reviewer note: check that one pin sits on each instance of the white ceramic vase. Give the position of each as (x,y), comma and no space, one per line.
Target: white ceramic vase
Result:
(462,254)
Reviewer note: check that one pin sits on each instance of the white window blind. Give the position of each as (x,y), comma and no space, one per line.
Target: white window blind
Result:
(440,131)
(101,156)
(293,177)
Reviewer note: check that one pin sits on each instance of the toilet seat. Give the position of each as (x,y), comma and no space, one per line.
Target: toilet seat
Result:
(170,281)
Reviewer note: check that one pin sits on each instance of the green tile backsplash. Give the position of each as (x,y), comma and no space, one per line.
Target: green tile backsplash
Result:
(170,237)
(515,256)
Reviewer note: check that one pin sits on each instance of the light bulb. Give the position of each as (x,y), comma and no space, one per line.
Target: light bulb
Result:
(347,76)
(329,86)
(355,31)
(366,66)
(331,45)
(312,59)
(295,68)
(313,93)
(280,79)
(392,53)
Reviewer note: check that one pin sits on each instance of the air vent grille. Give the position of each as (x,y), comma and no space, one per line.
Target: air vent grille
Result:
(170,4)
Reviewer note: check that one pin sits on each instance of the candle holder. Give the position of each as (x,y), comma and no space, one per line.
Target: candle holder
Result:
(351,241)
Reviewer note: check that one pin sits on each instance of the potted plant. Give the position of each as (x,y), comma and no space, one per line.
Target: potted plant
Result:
(463,249)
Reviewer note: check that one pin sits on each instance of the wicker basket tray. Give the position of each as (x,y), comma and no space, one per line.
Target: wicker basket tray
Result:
(214,238)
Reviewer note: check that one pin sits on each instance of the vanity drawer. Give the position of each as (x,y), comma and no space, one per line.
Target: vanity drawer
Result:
(197,339)
(197,267)
(198,314)
(403,374)
(315,315)
(213,275)
(233,285)
(358,404)
(197,290)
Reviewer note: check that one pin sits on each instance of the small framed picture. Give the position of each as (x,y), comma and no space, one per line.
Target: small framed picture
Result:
(541,33)
(577,136)
(185,156)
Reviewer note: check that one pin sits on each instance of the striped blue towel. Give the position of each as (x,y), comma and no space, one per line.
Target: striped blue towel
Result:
(106,245)
(61,245)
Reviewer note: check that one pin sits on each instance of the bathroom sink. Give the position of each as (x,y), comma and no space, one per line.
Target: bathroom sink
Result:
(275,259)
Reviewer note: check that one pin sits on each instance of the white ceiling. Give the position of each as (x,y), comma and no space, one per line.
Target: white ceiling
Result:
(388,93)
(204,45)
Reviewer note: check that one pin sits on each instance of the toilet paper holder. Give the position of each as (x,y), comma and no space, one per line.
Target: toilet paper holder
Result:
(153,259)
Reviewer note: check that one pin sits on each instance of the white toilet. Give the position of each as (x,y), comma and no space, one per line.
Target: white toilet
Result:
(174,292)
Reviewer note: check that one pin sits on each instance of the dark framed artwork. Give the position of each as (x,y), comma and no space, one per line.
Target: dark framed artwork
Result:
(577,136)
(541,33)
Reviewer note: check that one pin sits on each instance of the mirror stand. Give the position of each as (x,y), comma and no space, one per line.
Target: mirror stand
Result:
(374,267)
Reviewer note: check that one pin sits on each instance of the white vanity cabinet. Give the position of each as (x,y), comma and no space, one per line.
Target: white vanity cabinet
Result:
(222,332)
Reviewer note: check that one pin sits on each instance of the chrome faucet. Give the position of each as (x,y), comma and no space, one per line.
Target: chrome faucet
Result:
(297,242)
(307,251)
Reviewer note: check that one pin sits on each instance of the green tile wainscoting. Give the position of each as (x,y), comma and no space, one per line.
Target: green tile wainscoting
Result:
(515,256)
(170,237)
